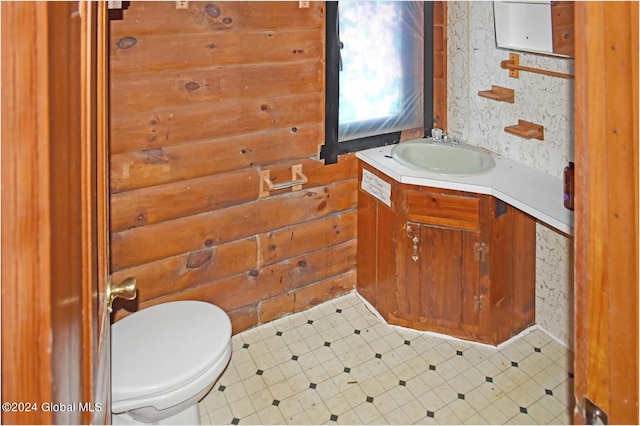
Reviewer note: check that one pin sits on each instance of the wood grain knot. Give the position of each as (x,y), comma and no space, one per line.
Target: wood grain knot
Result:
(212,10)
(126,42)
(192,85)
(302,263)
(199,258)
(155,156)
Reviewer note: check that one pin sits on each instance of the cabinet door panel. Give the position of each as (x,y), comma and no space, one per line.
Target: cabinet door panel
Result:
(441,290)
(441,274)
(376,247)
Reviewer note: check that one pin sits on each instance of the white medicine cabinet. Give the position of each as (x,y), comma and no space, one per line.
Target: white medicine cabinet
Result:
(537,26)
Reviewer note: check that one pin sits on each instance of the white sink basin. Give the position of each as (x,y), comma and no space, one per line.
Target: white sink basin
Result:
(443,158)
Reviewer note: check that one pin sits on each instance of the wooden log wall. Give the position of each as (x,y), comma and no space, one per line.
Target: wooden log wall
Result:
(202,100)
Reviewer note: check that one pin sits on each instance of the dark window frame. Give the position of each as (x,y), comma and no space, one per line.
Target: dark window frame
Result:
(332,148)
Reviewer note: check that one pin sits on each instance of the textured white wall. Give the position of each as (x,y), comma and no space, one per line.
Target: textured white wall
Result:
(474,65)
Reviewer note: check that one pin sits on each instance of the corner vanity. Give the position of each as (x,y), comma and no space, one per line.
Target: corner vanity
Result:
(453,254)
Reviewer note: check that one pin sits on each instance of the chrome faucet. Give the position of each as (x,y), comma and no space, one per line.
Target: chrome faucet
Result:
(454,138)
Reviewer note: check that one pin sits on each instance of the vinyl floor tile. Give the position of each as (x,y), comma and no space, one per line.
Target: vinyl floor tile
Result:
(340,363)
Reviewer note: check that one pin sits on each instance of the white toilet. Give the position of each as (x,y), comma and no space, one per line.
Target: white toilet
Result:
(165,359)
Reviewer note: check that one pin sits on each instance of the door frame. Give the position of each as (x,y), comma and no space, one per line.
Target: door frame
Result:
(96,318)
(53,213)
(606,220)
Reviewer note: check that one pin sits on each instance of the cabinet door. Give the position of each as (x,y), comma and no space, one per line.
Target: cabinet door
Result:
(440,287)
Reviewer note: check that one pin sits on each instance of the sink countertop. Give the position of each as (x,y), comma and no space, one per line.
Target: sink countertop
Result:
(525,188)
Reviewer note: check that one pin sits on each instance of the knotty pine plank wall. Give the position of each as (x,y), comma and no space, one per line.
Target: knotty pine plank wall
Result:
(202,100)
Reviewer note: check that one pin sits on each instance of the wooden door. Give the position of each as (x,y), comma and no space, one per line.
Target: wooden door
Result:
(606,228)
(52,207)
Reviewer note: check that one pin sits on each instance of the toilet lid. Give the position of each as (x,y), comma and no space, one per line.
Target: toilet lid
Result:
(166,345)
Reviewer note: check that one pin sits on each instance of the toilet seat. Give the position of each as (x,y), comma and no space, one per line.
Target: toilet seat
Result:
(161,348)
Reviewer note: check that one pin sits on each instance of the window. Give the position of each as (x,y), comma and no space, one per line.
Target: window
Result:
(379,73)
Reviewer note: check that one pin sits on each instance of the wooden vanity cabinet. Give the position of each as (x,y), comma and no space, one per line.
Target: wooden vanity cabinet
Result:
(452,262)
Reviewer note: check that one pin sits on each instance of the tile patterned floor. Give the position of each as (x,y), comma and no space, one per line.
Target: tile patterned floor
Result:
(339,363)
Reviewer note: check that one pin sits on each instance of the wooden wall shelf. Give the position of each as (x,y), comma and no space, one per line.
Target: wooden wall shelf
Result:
(498,93)
(526,130)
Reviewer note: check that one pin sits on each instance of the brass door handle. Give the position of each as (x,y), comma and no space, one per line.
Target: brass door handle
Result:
(126,290)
